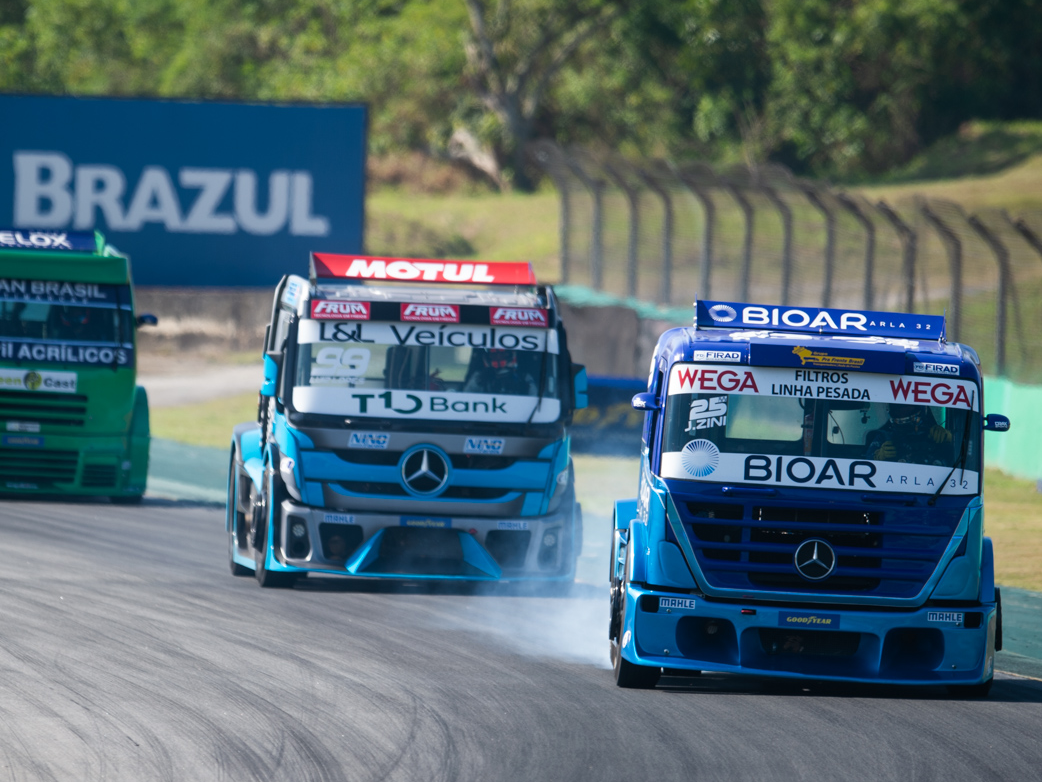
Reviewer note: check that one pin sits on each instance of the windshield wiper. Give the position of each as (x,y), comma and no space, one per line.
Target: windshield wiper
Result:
(960,464)
(542,381)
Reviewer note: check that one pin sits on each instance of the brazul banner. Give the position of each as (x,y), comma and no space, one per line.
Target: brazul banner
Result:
(198,194)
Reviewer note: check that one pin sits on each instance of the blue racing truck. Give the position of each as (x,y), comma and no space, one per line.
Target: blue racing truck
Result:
(809,504)
(413,423)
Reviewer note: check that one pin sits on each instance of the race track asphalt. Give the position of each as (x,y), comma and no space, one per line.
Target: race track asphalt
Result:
(128,652)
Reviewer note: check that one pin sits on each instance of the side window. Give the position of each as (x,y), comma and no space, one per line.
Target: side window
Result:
(281,329)
(654,385)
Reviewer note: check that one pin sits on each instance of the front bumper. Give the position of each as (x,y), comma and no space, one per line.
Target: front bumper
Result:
(381,545)
(922,647)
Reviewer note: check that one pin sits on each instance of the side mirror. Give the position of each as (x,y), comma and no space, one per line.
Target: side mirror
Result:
(582,399)
(996,423)
(645,400)
(146,319)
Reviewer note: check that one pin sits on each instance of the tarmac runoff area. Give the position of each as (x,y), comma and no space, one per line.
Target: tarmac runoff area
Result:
(197,474)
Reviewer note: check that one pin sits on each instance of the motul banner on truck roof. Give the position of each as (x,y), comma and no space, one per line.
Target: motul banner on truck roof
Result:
(365,267)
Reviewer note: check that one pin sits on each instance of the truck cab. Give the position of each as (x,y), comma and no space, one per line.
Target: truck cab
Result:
(809,504)
(73,419)
(413,423)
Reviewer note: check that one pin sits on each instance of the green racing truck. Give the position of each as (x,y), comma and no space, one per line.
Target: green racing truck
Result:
(73,420)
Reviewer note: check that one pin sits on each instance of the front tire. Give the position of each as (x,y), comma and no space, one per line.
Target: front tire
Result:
(627,675)
(271,498)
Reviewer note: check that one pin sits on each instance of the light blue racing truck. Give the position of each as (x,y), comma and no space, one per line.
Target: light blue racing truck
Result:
(413,424)
(809,504)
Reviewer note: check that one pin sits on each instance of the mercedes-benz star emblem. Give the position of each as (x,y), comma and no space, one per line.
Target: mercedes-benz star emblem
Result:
(425,471)
(815,559)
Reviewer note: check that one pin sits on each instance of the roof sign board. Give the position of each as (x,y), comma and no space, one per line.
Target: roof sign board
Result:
(817,320)
(365,267)
(63,241)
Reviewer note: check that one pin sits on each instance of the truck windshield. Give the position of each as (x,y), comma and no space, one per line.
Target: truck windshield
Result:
(400,370)
(65,322)
(839,430)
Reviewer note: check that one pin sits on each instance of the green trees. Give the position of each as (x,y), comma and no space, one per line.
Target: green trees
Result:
(838,88)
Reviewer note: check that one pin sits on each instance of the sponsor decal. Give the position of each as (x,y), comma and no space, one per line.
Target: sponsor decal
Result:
(822,359)
(23,426)
(817,320)
(49,240)
(33,380)
(446,335)
(729,356)
(809,621)
(926,368)
(707,413)
(338,518)
(685,603)
(364,267)
(20,485)
(700,459)
(519,316)
(515,526)
(424,404)
(486,446)
(339,310)
(824,384)
(291,294)
(51,192)
(49,291)
(430,313)
(426,522)
(66,353)
(945,617)
(373,441)
(22,441)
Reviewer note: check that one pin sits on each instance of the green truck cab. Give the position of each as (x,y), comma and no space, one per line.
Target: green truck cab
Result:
(72,418)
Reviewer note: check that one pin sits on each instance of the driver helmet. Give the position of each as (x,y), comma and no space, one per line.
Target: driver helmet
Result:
(908,418)
(74,316)
(500,359)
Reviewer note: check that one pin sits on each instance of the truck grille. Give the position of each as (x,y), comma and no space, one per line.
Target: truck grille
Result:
(98,476)
(53,409)
(36,468)
(888,553)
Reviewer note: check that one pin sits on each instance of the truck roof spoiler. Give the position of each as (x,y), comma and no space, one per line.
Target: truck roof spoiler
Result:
(360,268)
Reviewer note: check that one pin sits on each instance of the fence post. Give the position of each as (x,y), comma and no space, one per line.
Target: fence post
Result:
(909,249)
(549,157)
(1001,253)
(701,194)
(786,216)
(810,191)
(596,189)
(666,289)
(852,206)
(953,247)
(1029,235)
(632,198)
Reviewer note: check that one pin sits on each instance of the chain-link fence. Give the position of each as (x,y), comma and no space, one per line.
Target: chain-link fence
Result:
(661,233)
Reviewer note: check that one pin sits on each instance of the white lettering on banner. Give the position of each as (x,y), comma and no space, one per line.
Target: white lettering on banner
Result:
(431,405)
(50,192)
(684,603)
(730,356)
(416,270)
(364,333)
(339,310)
(822,384)
(519,316)
(935,369)
(38,240)
(70,354)
(430,313)
(818,472)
